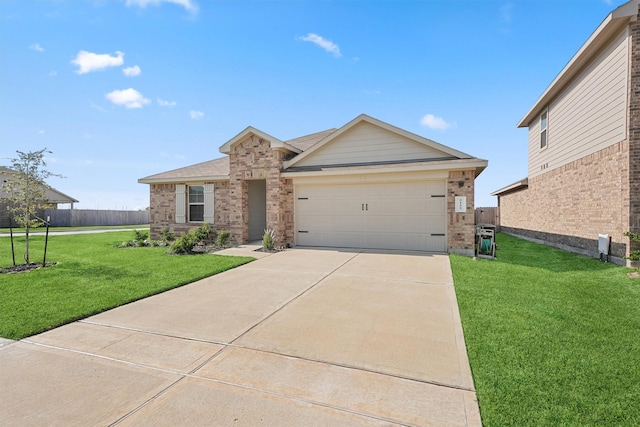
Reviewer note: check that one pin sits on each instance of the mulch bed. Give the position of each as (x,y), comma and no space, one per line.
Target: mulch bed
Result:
(21,268)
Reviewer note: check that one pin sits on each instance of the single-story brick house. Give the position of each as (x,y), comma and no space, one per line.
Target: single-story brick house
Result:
(366,184)
(584,148)
(54,197)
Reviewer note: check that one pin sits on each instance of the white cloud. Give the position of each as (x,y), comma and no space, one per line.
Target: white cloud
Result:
(36,47)
(130,98)
(189,5)
(97,107)
(164,103)
(41,132)
(373,92)
(437,123)
(506,13)
(88,61)
(132,71)
(327,45)
(53,73)
(196,115)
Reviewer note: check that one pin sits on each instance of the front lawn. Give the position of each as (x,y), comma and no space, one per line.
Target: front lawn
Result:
(91,276)
(553,338)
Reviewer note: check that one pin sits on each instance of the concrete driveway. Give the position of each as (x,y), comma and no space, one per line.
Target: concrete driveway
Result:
(302,337)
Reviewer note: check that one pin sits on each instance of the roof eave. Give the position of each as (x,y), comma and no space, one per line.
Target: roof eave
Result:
(610,26)
(448,165)
(518,185)
(169,180)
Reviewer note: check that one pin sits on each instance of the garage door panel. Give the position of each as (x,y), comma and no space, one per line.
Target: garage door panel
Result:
(400,216)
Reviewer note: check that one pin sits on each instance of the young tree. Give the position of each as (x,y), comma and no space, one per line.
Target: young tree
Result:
(26,189)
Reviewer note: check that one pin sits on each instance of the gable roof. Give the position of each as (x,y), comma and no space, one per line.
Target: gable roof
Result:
(611,25)
(363,118)
(305,146)
(303,143)
(217,169)
(274,142)
(52,195)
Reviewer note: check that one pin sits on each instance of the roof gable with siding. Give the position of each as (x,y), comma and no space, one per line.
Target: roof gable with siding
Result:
(368,140)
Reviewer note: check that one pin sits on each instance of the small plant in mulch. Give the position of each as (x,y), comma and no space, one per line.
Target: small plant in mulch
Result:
(141,240)
(269,242)
(222,240)
(268,239)
(633,255)
(200,240)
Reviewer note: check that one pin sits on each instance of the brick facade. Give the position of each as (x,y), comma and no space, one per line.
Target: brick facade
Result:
(633,201)
(461,226)
(570,205)
(162,212)
(598,194)
(253,158)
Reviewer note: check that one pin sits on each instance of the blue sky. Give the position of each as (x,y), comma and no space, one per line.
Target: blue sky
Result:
(122,89)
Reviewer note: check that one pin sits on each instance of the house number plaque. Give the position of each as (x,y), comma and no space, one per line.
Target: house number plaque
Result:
(255,174)
(461,204)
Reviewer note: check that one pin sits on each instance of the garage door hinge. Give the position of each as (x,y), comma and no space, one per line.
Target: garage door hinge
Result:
(437,195)
(437,234)
(303,198)
(302,231)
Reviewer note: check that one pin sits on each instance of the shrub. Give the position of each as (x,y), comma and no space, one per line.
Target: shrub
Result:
(268,239)
(633,255)
(185,243)
(168,235)
(140,235)
(202,232)
(223,238)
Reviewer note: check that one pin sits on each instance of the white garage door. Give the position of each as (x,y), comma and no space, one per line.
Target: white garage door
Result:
(407,215)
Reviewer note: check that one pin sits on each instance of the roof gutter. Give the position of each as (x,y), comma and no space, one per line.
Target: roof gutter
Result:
(183,179)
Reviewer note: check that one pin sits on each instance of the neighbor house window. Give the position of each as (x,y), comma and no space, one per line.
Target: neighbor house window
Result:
(196,203)
(543,129)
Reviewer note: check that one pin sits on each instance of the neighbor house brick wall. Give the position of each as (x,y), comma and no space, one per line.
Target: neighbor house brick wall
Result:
(162,210)
(253,158)
(571,205)
(633,203)
(461,226)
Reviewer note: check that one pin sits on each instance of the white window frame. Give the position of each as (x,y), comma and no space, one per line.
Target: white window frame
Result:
(544,131)
(190,203)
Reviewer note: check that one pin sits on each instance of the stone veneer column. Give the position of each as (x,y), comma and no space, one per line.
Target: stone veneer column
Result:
(461,226)
(253,158)
(634,133)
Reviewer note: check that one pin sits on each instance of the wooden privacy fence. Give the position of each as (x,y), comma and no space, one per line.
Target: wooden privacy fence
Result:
(90,217)
(488,215)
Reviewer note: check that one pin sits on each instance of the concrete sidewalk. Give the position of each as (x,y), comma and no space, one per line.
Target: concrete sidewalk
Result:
(301,337)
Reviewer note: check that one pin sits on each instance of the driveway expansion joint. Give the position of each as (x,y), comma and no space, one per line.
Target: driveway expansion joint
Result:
(299,295)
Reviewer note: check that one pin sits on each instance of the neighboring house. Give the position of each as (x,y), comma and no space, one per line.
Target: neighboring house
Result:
(584,147)
(54,197)
(365,185)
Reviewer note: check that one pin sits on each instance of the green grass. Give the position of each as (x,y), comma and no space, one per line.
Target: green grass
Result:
(83,228)
(553,338)
(92,276)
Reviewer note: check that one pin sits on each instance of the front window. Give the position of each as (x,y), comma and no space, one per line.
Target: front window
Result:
(196,203)
(543,129)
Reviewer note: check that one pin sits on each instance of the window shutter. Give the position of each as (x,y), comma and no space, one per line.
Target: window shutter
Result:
(180,203)
(208,204)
